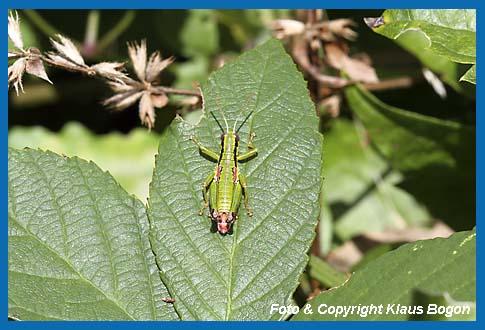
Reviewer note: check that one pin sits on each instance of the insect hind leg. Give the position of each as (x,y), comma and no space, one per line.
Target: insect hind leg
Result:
(207,183)
(243,183)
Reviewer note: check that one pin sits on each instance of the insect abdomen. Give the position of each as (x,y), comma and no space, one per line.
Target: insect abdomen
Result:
(225,189)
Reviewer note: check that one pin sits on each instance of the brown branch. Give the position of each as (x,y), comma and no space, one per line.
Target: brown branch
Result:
(329,81)
(394,83)
(170,90)
(300,54)
(88,71)
(92,73)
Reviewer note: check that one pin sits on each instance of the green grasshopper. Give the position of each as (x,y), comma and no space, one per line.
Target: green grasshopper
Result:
(226,183)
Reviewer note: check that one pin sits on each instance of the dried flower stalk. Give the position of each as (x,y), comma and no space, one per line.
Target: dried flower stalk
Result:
(29,60)
(144,90)
(127,90)
(310,37)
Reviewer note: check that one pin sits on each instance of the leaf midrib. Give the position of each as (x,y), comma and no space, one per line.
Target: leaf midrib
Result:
(230,288)
(189,279)
(187,236)
(268,155)
(290,190)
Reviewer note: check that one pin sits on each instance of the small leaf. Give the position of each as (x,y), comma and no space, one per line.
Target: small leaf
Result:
(449,32)
(78,245)
(416,43)
(437,266)
(374,22)
(238,276)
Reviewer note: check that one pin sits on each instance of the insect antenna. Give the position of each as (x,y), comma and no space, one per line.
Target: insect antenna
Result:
(220,110)
(244,121)
(217,121)
(240,110)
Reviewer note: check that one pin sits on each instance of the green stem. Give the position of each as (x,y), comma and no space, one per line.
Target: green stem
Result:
(116,31)
(92,28)
(43,25)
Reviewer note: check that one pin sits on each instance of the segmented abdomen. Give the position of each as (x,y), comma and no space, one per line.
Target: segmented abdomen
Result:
(225,190)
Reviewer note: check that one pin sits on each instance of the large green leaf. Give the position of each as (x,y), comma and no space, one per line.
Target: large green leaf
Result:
(450,32)
(360,188)
(436,266)
(78,244)
(239,276)
(436,156)
(131,165)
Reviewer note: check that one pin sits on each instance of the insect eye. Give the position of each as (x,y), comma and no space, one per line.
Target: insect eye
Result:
(237,138)
(222,136)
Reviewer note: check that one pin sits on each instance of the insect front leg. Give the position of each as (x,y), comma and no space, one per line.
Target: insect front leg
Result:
(243,183)
(204,150)
(252,150)
(207,184)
